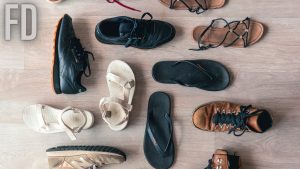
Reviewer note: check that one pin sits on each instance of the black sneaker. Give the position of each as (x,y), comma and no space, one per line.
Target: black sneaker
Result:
(70,60)
(139,33)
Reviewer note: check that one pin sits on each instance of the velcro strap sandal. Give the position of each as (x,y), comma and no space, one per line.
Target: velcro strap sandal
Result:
(46,119)
(121,83)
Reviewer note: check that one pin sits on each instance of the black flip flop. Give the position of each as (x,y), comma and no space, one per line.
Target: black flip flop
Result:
(203,74)
(158,141)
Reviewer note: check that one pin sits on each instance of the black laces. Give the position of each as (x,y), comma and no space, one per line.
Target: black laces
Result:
(232,26)
(81,57)
(236,120)
(139,30)
(198,10)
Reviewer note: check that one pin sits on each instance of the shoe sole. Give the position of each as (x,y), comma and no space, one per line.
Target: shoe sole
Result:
(79,150)
(55,63)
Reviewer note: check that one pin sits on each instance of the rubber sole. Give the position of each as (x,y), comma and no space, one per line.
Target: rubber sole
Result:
(55,63)
(92,149)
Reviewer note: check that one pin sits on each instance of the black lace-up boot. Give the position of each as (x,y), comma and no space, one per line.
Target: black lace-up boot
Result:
(70,60)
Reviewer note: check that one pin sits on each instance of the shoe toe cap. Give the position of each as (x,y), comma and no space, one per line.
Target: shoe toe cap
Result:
(165,32)
(201,119)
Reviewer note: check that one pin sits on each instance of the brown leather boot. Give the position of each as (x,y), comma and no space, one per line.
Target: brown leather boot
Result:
(83,157)
(225,116)
(222,160)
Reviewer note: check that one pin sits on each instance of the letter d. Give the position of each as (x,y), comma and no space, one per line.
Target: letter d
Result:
(32,8)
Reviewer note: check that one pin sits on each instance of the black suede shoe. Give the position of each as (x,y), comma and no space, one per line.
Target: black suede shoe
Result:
(70,60)
(139,33)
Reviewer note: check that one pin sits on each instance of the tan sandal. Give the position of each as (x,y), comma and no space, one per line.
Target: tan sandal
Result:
(115,109)
(239,34)
(197,6)
(45,119)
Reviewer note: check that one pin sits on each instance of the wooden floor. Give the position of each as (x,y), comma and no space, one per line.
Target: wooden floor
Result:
(266,75)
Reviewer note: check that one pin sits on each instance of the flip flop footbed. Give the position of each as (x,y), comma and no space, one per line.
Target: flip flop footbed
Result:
(45,119)
(159,108)
(212,4)
(216,35)
(204,74)
(119,75)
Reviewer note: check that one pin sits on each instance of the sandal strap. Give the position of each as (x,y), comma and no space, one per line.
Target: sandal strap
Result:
(120,81)
(127,85)
(198,10)
(198,67)
(44,126)
(41,120)
(105,108)
(70,132)
(231,29)
(158,148)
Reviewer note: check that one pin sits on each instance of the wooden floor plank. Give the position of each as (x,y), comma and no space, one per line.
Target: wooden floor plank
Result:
(265,75)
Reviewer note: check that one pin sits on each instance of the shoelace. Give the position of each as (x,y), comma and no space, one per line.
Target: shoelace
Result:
(198,10)
(123,5)
(139,30)
(80,55)
(231,29)
(238,121)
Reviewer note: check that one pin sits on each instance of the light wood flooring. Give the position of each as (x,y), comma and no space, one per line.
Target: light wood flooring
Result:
(266,75)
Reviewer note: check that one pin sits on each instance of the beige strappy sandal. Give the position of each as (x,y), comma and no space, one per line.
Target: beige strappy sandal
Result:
(46,119)
(121,83)
(194,6)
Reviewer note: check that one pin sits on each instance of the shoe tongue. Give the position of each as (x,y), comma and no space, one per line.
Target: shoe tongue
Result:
(125,28)
(252,123)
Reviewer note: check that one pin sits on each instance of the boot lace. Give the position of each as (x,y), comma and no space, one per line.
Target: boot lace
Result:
(237,120)
(123,5)
(139,30)
(81,57)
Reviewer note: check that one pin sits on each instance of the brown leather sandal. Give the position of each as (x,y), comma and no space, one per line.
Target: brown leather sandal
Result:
(197,6)
(236,34)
